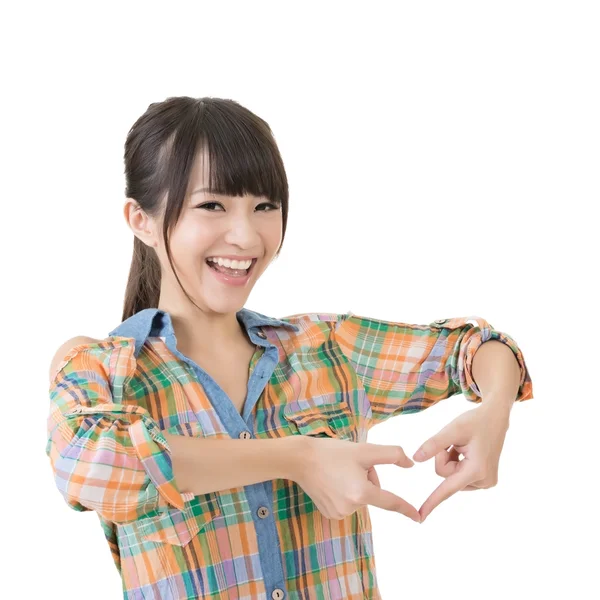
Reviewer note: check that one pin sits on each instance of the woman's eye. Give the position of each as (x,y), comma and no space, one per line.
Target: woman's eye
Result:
(208,204)
(269,204)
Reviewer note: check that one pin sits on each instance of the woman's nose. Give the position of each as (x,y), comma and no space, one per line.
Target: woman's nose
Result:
(243,232)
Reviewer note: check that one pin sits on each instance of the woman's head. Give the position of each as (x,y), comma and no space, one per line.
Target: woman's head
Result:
(174,149)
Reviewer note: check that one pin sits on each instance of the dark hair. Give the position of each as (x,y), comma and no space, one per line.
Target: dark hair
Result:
(160,151)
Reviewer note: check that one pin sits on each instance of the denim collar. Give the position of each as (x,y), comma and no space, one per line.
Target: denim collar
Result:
(153,322)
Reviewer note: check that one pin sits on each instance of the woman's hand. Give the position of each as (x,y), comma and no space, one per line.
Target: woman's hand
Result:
(339,476)
(478,435)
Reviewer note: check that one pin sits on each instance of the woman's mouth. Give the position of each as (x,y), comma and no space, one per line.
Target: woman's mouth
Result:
(228,273)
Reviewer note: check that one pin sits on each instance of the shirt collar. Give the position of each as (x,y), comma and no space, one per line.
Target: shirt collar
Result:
(151,322)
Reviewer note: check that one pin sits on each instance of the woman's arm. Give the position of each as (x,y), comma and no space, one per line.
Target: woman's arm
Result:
(111,457)
(202,465)
(107,455)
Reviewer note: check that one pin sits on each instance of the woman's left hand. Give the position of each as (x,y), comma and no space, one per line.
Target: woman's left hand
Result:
(478,435)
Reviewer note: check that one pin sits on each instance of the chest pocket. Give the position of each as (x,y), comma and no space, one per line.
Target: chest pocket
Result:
(326,399)
(179,527)
(333,419)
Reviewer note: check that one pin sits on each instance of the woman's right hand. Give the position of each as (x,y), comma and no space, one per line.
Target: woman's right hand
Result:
(339,476)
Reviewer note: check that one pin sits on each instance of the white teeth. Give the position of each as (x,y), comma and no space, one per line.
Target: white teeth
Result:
(231,264)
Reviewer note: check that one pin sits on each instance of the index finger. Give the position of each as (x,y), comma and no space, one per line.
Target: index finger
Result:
(452,484)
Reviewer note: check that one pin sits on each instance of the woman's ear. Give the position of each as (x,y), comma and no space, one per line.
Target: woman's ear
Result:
(139,222)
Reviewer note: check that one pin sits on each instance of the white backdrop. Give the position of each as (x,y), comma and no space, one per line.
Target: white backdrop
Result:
(442,160)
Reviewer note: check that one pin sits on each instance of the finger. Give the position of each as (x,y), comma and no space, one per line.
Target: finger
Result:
(380,454)
(373,477)
(448,436)
(447,488)
(389,501)
(446,463)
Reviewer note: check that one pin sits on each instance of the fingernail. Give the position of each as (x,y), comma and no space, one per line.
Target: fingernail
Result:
(419,454)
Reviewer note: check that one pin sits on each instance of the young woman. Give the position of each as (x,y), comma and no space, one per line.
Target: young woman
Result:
(224,450)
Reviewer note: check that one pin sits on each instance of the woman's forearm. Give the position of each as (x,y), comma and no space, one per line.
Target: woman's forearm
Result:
(204,465)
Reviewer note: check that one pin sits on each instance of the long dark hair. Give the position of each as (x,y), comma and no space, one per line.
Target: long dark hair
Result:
(160,151)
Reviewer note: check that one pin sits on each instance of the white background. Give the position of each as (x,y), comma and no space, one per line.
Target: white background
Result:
(443,161)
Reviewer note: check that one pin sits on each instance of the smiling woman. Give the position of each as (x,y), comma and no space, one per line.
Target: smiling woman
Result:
(225,451)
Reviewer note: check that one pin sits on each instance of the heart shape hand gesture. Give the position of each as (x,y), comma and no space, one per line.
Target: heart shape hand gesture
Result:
(332,471)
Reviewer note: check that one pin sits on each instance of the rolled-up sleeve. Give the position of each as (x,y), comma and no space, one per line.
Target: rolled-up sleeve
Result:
(107,453)
(406,368)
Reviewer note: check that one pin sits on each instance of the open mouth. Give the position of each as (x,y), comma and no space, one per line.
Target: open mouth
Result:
(231,272)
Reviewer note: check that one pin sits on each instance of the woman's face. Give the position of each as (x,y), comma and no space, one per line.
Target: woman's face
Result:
(211,225)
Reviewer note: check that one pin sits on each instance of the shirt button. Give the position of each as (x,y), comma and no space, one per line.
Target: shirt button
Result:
(261,334)
(440,320)
(277,594)
(245,435)
(263,512)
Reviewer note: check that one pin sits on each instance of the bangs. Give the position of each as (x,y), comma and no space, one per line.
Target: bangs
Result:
(243,157)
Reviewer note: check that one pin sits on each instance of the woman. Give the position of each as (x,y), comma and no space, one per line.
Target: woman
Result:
(224,450)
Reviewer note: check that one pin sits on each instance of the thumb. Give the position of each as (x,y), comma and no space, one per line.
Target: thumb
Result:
(381,454)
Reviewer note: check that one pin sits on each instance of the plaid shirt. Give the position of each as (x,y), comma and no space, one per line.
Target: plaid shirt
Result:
(313,374)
